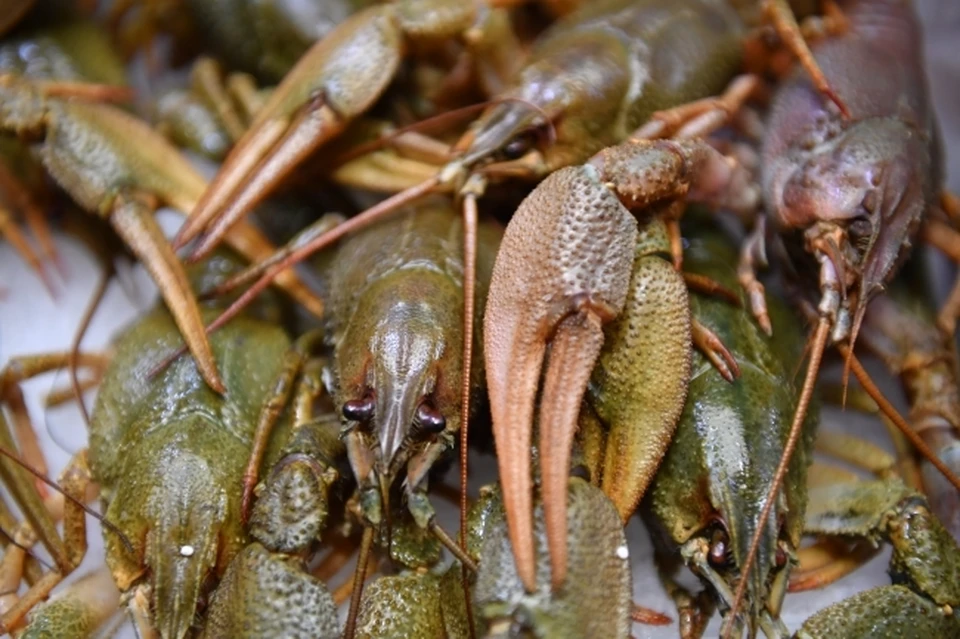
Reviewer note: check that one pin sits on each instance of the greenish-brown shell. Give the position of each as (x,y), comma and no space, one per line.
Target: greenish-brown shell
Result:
(731,435)
(169,454)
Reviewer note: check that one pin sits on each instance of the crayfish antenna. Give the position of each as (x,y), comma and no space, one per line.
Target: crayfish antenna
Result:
(73,361)
(894,416)
(469,286)
(447,541)
(813,368)
(848,356)
(359,576)
(253,272)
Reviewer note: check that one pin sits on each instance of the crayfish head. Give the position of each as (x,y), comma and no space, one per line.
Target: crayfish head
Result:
(183,543)
(743,446)
(861,198)
(400,378)
(513,133)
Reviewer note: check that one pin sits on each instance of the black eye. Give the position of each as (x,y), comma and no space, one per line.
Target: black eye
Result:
(719,555)
(430,419)
(358,410)
(860,227)
(518,146)
(580,471)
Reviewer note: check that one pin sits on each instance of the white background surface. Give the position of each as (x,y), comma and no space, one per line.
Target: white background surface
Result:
(31,322)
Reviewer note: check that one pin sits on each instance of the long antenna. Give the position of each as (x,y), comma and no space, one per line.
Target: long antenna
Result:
(85,321)
(894,416)
(469,286)
(359,576)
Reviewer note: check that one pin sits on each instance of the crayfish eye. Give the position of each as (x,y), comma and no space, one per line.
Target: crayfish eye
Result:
(781,557)
(580,471)
(719,556)
(518,146)
(860,227)
(358,410)
(430,419)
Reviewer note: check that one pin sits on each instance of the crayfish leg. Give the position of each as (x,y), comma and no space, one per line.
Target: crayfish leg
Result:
(702,117)
(781,17)
(17,239)
(19,197)
(66,552)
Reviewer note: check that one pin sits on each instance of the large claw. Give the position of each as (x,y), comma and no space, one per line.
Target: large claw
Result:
(338,79)
(639,386)
(561,273)
(97,154)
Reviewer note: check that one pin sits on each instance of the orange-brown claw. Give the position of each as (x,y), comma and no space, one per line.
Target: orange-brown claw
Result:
(562,272)
(565,262)
(336,81)
(252,244)
(327,88)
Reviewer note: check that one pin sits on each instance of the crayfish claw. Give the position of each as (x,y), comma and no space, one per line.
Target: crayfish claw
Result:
(573,352)
(289,145)
(562,271)
(328,87)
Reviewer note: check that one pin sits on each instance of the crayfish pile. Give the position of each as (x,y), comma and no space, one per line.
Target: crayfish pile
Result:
(609,244)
